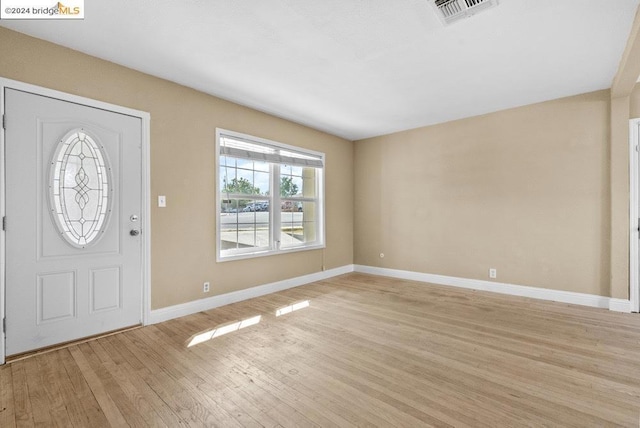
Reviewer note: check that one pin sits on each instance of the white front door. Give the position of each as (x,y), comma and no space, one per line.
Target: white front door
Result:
(73,205)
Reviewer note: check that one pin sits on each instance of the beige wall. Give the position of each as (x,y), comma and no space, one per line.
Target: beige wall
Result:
(183,123)
(525,191)
(635,102)
(619,196)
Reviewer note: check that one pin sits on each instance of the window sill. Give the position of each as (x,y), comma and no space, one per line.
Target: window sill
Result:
(266,253)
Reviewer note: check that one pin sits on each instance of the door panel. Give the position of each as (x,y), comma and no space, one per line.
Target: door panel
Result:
(105,289)
(70,168)
(56,297)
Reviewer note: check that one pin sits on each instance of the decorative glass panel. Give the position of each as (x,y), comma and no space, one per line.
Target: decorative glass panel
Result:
(80,188)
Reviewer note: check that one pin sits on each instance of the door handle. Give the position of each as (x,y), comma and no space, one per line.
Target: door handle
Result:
(134,232)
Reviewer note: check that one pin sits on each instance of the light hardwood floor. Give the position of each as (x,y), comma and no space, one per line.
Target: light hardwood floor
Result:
(366,351)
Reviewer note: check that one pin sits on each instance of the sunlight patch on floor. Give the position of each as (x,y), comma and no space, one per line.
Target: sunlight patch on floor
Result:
(291,308)
(220,331)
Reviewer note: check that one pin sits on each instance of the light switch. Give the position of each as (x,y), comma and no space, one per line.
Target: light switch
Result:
(162,201)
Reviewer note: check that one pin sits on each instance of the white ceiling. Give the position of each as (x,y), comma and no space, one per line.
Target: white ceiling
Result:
(358,68)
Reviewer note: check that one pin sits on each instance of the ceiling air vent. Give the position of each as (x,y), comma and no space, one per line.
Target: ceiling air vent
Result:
(453,10)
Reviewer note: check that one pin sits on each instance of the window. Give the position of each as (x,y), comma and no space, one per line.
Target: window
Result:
(270,197)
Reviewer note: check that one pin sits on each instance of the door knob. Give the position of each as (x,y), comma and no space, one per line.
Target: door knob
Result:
(134,232)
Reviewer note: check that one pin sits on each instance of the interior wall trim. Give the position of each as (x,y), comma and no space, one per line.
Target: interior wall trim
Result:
(583,299)
(183,309)
(620,305)
(634,220)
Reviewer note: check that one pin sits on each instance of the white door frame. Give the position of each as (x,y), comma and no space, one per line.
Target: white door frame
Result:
(145,117)
(634,219)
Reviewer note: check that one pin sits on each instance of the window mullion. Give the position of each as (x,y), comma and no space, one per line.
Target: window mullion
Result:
(275,203)
(319,206)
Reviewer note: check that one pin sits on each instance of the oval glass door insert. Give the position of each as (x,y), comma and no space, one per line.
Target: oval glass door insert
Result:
(80,187)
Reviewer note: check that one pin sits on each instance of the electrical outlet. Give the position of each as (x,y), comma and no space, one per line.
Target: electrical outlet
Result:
(205,287)
(493,273)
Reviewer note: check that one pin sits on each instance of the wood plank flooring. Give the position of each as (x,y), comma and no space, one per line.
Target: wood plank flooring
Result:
(366,351)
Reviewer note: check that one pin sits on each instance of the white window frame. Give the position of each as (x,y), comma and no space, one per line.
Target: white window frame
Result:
(634,220)
(274,201)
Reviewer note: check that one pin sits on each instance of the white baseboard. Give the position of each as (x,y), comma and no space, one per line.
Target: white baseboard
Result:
(183,309)
(619,305)
(176,311)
